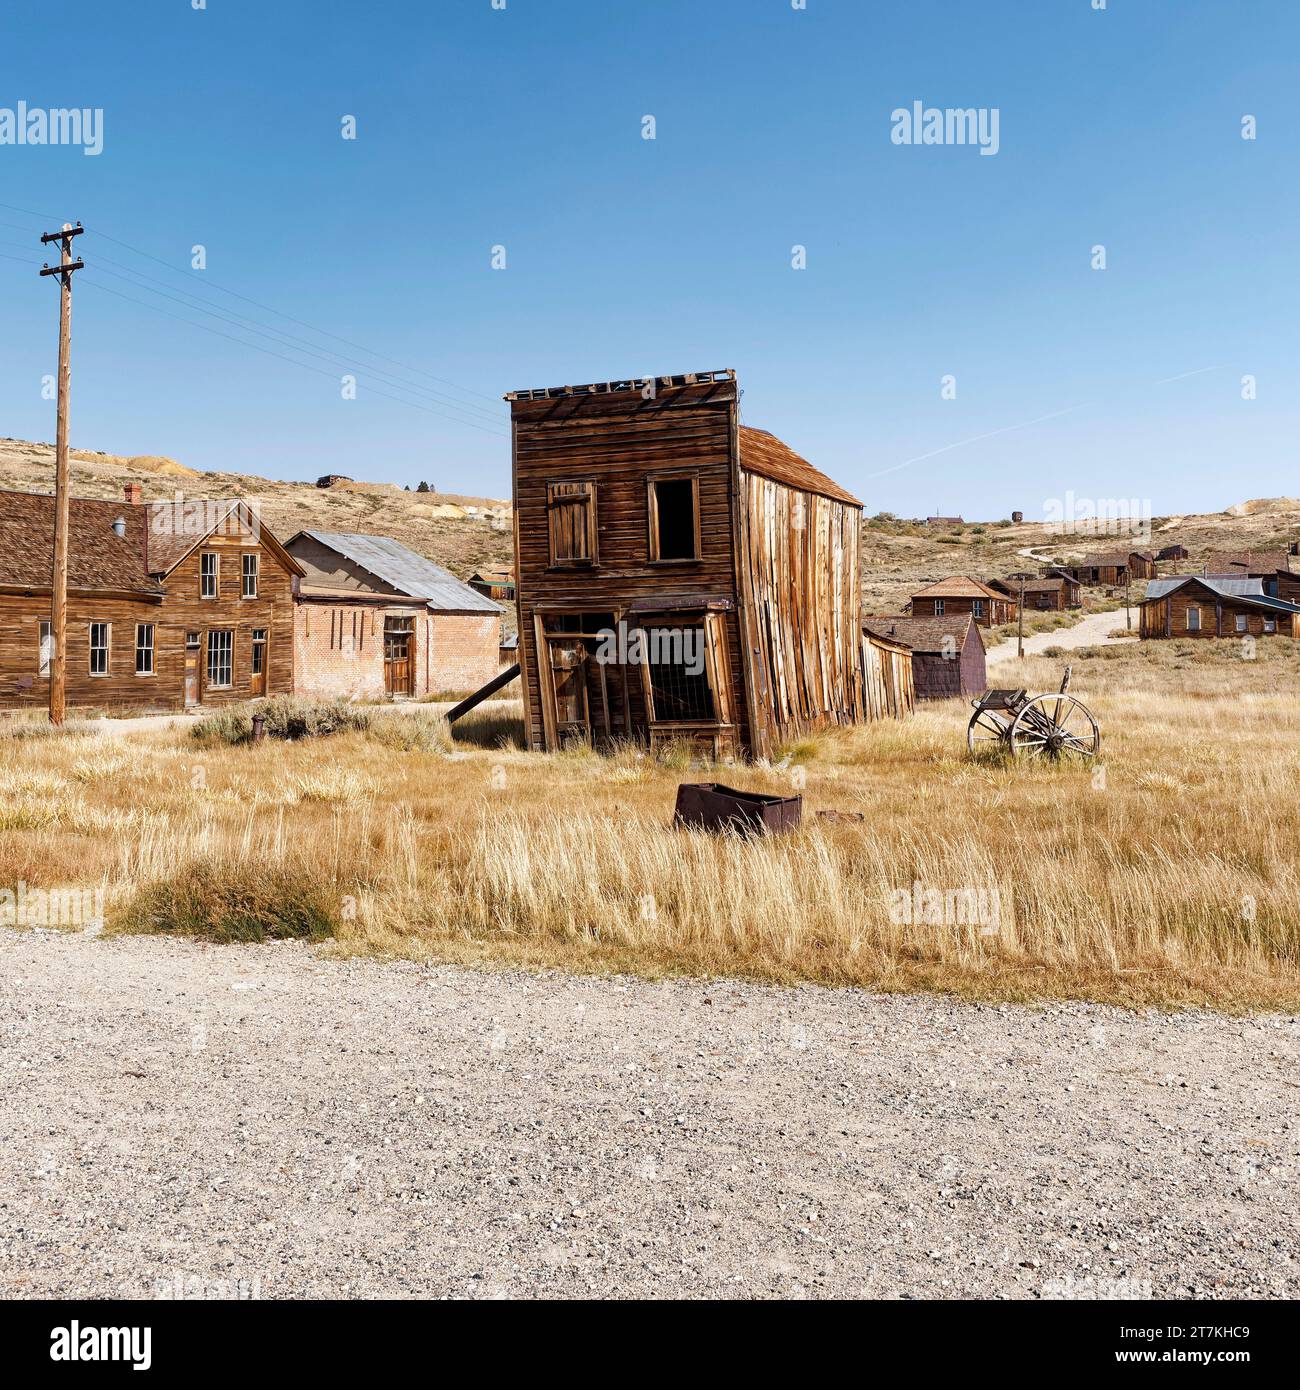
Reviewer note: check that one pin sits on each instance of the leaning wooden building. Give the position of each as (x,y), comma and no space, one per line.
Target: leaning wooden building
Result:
(680,576)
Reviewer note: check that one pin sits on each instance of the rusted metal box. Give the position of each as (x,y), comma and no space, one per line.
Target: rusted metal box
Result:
(711,806)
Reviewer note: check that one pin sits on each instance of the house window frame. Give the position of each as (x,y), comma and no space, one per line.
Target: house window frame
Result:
(247,571)
(1240,622)
(976,607)
(148,649)
(257,661)
(215,576)
(107,649)
(676,475)
(44,649)
(1270,625)
(938,608)
(588,499)
(1188,624)
(209,682)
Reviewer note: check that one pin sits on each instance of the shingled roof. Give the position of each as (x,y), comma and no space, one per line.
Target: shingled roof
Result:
(98,558)
(1247,561)
(924,634)
(959,586)
(766,455)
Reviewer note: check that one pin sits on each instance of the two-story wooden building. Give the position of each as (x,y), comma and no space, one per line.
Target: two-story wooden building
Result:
(680,576)
(170,604)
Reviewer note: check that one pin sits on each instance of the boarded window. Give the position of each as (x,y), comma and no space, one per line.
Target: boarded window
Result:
(144,649)
(46,649)
(674,518)
(250,576)
(571,518)
(208,563)
(99,649)
(221,646)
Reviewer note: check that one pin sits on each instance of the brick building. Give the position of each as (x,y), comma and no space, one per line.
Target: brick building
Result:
(374,619)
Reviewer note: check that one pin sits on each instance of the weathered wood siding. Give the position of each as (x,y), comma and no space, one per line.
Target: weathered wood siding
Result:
(889,691)
(1167,617)
(996,611)
(801,592)
(616,442)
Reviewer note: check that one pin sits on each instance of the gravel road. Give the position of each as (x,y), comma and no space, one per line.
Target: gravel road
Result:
(1092,631)
(269,1121)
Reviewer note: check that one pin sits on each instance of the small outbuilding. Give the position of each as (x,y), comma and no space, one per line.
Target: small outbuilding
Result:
(374,619)
(947,653)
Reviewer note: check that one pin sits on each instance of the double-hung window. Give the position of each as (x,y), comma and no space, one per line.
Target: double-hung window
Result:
(249,589)
(209,574)
(99,642)
(221,647)
(144,649)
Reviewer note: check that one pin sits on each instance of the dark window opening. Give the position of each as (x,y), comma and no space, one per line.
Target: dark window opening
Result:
(673,525)
(679,683)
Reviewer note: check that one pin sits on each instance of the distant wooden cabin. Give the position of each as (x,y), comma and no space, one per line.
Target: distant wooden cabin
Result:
(1050,593)
(494,583)
(170,604)
(1191,605)
(375,620)
(1172,552)
(724,565)
(944,521)
(947,653)
(1114,568)
(961,594)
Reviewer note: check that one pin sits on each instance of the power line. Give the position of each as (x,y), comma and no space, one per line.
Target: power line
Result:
(293,361)
(267,308)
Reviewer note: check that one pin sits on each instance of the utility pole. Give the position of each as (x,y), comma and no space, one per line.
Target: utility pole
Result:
(1020,615)
(59,580)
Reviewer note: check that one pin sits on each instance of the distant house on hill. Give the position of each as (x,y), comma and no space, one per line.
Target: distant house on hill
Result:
(961,594)
(947,653)
(1054,591)
(1192,605)
(375,619)
(1172,552)
(944,521)
(329,479)
(1114,568)
(496,582)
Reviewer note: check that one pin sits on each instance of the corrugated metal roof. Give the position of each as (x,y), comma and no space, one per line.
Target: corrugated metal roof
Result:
(409,573)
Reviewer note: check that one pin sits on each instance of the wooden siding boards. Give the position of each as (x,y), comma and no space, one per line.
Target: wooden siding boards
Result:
(777,564)
(169,600)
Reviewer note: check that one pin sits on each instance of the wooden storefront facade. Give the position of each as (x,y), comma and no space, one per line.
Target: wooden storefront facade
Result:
(680,577)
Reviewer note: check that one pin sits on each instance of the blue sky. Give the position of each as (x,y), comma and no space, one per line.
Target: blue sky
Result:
(522,127)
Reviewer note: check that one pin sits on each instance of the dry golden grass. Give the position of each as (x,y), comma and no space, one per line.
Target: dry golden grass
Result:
(1174,884)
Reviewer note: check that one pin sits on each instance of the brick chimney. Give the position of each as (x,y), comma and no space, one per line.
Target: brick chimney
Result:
(132,491)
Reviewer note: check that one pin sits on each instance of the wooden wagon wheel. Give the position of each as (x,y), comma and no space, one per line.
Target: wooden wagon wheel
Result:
(1056,727)
(985,730)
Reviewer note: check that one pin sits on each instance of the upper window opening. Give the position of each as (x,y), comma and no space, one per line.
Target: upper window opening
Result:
(674,519)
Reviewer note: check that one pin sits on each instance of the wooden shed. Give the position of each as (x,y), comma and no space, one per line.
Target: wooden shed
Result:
(947,653)
(680,576)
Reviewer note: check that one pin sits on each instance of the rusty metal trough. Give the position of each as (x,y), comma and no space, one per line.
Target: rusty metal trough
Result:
(711,806)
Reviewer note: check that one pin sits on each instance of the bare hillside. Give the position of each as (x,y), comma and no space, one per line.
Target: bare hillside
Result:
(438,525)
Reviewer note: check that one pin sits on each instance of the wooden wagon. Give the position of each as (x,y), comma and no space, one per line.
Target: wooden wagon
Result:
(1055,725)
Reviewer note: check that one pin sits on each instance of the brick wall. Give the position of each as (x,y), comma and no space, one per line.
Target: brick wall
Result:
(339,650)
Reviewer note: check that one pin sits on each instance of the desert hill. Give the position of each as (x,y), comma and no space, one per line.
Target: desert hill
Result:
(466,533)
